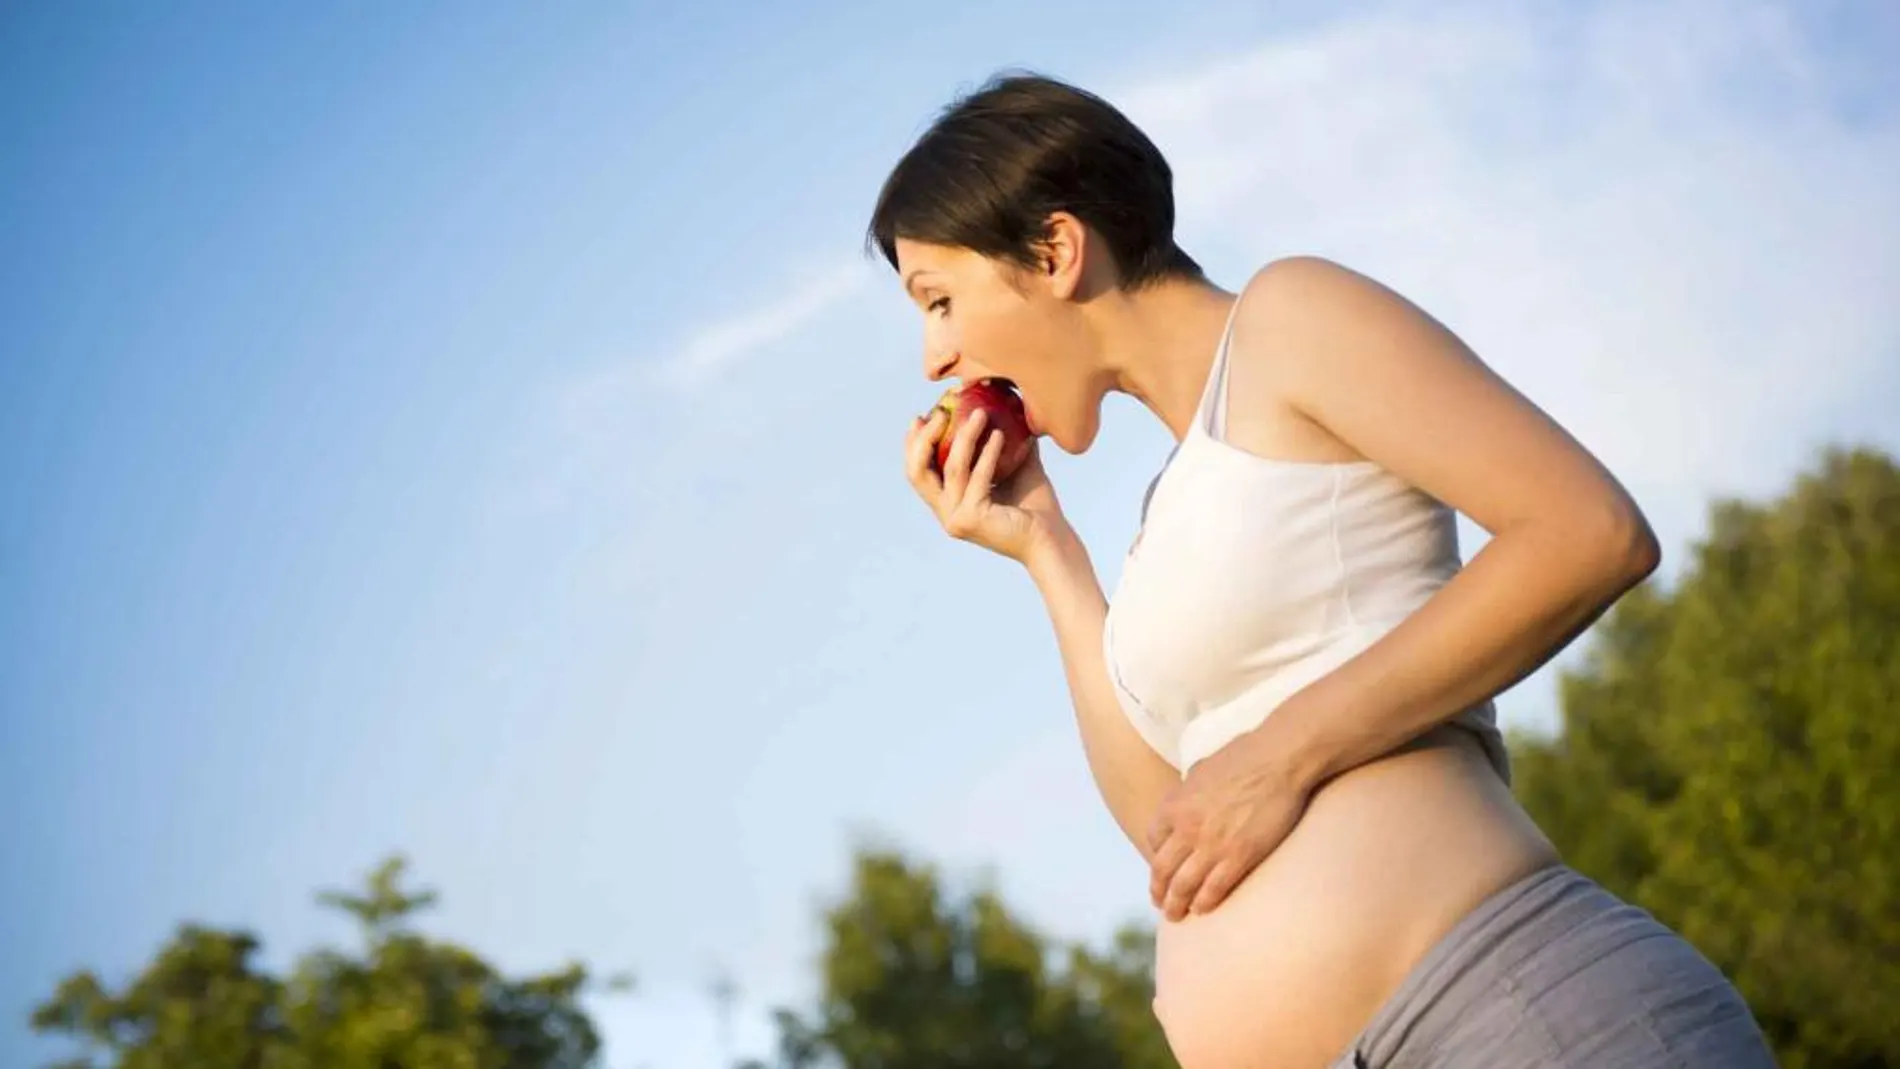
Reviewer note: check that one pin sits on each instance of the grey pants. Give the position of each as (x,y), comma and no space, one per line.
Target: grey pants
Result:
(1554,972)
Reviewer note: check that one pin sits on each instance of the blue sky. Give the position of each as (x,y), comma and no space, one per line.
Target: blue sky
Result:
(472,430)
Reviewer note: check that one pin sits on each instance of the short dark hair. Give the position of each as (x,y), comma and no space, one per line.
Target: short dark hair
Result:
(992,168)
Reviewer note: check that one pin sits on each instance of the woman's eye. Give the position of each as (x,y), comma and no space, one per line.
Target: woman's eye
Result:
(941,303)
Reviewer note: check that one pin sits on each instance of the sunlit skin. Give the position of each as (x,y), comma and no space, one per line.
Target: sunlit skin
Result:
(1303,868)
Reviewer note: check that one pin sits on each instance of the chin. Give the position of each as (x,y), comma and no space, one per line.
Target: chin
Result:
(1071,427)
(1074,440)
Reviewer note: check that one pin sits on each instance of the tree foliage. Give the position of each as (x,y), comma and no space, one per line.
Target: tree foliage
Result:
(404,1000)
(1728,752)
(913,977)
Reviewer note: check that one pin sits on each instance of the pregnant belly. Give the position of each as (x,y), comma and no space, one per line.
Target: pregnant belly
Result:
(1386,859)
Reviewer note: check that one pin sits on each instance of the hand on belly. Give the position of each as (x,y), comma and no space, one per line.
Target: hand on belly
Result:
(1229,812)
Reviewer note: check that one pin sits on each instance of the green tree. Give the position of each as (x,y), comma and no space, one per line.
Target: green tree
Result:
(1729,758)
(405,1002)
(916,978)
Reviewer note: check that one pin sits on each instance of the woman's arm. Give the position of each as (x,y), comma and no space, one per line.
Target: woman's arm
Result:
(1566,539)
(1380,376)
(1131,777)
(1029,527)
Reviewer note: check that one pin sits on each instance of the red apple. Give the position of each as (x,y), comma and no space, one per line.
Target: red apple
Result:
(1002,410)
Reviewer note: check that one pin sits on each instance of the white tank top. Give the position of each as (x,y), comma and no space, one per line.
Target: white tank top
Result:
(1252,577)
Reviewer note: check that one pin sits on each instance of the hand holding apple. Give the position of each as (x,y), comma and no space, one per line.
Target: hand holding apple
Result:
(955,469)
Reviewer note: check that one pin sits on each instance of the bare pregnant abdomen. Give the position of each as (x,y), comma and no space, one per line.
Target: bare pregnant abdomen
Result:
(1386,859)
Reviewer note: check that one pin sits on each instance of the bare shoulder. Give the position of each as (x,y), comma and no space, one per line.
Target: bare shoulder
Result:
(1307,270)
(1375,372)
(1309,310)
(1330,339)
(1304,322)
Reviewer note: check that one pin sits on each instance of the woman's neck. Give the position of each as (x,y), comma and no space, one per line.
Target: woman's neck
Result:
(1159,345)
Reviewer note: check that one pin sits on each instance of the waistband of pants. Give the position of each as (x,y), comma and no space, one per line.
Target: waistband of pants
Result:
(1464,967)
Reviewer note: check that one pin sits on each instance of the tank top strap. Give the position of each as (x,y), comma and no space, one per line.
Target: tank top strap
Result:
(1212,412)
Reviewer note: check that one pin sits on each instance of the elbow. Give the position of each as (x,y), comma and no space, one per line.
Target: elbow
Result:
(1626,550)
(1608,549)
(1646,555)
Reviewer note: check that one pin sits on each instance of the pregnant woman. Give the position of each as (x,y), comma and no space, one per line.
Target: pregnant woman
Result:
(1287,703)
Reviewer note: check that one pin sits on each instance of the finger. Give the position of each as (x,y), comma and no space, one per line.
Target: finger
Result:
(1187,881)
(956,466)
(936,425)
(1221,881)
(1160,827)
(1167,861)
(920,450)
(966,514)
(1175,806)
(913,442)
(983,475)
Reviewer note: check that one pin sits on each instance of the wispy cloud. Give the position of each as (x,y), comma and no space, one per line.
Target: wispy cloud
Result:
(715,348)
(577,429)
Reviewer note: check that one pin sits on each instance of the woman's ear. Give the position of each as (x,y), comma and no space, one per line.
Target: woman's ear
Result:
(1063,254)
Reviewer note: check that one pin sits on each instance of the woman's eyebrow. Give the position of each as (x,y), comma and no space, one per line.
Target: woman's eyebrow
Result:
(911,278)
